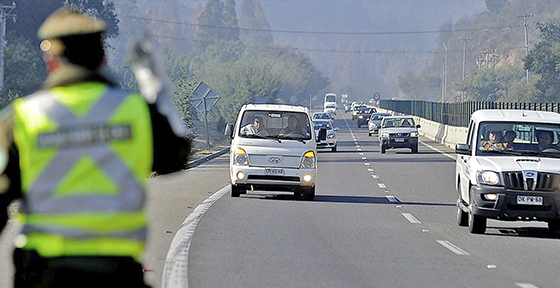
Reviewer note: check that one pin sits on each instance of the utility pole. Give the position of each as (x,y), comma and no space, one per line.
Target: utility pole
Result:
(525,26)
(5,13)
(445,74)
(465,39)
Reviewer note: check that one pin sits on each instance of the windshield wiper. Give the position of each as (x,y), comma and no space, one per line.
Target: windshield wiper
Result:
(508,152)
(540,153)
(283,137)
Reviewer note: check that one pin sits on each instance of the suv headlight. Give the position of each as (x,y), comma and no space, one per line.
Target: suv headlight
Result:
(414,134)
(361,117)
(240,157)
(308,160)
(488,177)
(384,135)
(330,136)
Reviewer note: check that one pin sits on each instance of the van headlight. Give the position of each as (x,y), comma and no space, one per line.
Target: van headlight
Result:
(308,160)
(240,157)
(414,134)
(488,177)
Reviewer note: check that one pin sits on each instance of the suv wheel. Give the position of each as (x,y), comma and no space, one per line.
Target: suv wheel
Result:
(334,148)
(554,225)
(369,134)
(414,149)
(308,193)
(462,216)
(382,148)
(477,223)
(235,191)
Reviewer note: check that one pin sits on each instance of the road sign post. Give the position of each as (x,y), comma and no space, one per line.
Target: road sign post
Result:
(203,100)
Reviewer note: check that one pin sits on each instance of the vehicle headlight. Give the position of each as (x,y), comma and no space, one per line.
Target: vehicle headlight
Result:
(385,135)
(414,134)
(361,117)
(488,177)
(330,136)
(240,157)
(308,160)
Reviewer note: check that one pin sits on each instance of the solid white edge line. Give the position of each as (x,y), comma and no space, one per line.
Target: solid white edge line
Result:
(175,271)
(526,285)
(391,199)
(452,247)
(411,218)
(439,151)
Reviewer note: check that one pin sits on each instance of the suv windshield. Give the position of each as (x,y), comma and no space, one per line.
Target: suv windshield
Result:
(398,122)
(275,125)
(322,124)
(518,138)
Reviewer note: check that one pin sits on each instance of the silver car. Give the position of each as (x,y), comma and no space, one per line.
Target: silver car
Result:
(332,141)
(375,122)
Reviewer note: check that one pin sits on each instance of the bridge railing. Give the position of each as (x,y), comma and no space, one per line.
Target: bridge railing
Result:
(457,114)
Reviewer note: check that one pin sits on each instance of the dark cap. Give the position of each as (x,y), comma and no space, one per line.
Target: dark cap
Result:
(258,119)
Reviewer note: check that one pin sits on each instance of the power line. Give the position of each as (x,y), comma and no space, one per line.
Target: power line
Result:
(321,32)
(394,52)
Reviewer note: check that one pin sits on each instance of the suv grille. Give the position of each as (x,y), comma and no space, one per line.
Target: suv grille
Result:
(545,181)
(399,134)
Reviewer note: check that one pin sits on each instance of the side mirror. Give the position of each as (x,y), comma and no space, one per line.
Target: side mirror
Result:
(229,130)
(336,129)
(462,149)
(322,134)
(418,126)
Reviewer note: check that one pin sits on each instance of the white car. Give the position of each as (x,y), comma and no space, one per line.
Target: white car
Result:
(332,141)
(509,169)
(374,122)
(273,148)
(322,115)
(330,108)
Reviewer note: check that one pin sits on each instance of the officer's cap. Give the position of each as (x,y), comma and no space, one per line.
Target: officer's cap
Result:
(68,22)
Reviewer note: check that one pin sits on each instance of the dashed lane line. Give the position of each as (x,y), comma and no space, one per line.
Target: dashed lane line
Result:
(391,199)
(453,248)
(382,185)
(411,218)
(526,285)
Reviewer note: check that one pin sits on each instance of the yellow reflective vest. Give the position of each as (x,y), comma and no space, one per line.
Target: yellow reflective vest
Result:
(85,152)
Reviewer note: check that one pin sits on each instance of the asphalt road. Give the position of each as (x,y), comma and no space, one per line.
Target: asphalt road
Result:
(377,221)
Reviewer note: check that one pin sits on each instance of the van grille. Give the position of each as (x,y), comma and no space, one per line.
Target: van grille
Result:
(274,178)
(545,181)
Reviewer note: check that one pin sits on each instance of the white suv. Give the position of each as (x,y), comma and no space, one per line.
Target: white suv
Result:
(509,169)
(273,148)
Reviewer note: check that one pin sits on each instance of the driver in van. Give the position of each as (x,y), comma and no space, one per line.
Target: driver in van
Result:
(545,138)
(255,128)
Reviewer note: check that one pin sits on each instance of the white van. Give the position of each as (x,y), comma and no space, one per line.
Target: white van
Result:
(273,148)
(509,169)
(330,100)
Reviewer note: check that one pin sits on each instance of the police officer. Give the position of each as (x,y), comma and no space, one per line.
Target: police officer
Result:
(80,150)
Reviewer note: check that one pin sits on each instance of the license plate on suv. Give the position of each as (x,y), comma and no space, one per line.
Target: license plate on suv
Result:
(399,139)
(530,200)
(274,171)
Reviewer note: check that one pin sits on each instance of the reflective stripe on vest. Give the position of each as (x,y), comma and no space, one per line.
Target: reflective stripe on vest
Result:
(131,192)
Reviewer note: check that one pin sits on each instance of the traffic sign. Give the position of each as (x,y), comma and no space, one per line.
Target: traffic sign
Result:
(376,96)
(204,98)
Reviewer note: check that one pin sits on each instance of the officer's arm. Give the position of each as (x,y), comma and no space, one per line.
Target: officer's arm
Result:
(170,152)
(10,177)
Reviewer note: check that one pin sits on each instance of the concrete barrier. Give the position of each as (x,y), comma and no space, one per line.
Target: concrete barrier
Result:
(444,134)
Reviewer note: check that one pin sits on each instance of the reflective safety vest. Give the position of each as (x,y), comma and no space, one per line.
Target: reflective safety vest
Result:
(85,153)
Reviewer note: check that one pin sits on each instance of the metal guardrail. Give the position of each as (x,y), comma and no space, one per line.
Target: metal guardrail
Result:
(457,114)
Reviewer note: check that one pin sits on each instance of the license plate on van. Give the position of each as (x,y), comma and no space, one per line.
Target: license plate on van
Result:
(530,200)
(274,171)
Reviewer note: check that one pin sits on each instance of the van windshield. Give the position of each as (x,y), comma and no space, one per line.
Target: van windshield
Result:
(519,138)
(275,125)
(330,98)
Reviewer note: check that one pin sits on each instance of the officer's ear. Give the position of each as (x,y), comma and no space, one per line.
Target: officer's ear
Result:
(51,61)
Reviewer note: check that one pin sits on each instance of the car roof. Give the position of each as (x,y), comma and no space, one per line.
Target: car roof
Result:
(276,107)
(515,116)
(397,117)
(381,113)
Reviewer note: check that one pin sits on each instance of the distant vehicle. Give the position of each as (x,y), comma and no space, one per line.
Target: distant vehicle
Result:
(330,108)
(322,115)
(344,100)
(332,141)
(273,148)
(398,132)
(363,116)
(356,110)
(509,169)
(375,122)
(330,99)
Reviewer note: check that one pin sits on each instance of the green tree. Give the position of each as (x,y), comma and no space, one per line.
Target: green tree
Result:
(210,25)
(495,6)
(491,84)
(230,21)
(544,61)
(251,15)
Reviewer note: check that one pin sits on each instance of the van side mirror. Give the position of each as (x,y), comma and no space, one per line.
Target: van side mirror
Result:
(229,130)
(462,149)
(418,126)
(322,134)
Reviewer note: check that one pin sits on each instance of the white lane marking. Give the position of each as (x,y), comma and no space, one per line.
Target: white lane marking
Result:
(411,218)
(391,199)
(526,285)
(176,263)
(491,266)
(439,151)
(399,206)
(375,176)
(366,163)
(370,170)
(355,142)
(381,185)
(359,149)
(452,247)
(361,154)
(425,230)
